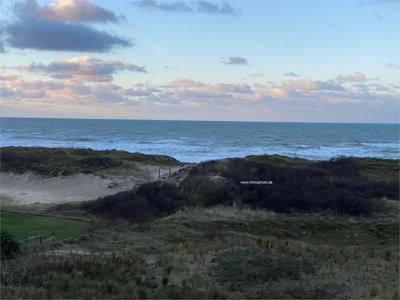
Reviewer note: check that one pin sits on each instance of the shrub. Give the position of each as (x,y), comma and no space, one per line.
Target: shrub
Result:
(9,246)
(206,191)
(334,185)
(149,200)
(342,167)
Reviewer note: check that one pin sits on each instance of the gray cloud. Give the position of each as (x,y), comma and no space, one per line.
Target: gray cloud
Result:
(356,77)
(388,1)
(43,35)
(83,69)
(2,50)
(377,15)
(33,31)
(393,66)
(256,75)
(292,74)
(328,86)
(200,6)
(235,60)
(173,6)
(221,9)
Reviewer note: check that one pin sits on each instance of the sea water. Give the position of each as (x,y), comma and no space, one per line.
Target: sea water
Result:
(194,141)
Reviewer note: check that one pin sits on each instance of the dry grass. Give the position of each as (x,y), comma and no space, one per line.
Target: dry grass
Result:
(217,252)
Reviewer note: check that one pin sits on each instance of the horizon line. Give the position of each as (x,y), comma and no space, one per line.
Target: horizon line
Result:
(199,120)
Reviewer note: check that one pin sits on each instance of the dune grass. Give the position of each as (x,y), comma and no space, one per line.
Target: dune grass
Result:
(68,161)
(23,225)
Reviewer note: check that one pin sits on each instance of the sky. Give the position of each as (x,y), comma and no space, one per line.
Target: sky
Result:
(264,60)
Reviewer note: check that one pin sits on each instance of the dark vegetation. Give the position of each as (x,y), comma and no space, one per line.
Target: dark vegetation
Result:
(338,185)
(67,161)
(149,200)
(9,246)
(335,185)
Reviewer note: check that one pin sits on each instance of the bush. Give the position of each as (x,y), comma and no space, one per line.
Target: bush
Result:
(334,185)
(9,246)
(342,167)
(206,191)
(149,200)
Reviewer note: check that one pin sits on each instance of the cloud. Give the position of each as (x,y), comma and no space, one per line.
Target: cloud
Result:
(83,68)
(88,92)
(235,60)
(356,77)
(220,9)
(32,29)
(388,1)
(292,74)
(256,75)
(183,6)
(377,15)
(2,50)
(173,6)
(67,10)
(393,66)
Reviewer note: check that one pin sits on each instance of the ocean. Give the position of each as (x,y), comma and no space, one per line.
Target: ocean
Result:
(195,141)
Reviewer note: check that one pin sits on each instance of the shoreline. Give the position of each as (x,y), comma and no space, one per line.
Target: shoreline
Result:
(150,154)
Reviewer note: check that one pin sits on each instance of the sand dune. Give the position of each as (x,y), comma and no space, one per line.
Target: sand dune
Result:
(29,188)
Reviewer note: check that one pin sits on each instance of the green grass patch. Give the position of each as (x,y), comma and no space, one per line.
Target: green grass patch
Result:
(23,225)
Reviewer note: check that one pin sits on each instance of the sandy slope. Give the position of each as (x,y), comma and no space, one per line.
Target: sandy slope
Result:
(29,188)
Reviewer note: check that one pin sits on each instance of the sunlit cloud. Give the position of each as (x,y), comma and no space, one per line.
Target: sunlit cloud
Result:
(62,91)
(67,10)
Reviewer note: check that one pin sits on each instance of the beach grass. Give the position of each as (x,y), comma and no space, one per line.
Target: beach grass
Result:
(68,161)
(24,225)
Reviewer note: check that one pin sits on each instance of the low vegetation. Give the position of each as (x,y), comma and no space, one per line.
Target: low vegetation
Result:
(216,253)
(68,161)
(321,230)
